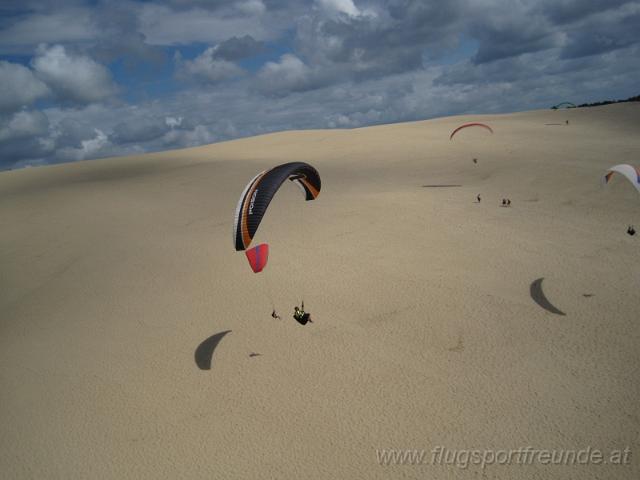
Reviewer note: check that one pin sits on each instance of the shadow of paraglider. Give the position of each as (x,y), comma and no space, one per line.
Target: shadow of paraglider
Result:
(444,185)
(204,352)
(538,296)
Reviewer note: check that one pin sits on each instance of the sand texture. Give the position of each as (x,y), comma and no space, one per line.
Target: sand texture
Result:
(115,275)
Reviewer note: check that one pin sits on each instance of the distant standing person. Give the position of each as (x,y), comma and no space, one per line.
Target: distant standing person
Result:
(478,198)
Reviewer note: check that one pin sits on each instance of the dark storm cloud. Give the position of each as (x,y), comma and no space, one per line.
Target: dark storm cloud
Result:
(504,36)
(468,73)
(521,41)
(603,33)
(568,11)
(583,27)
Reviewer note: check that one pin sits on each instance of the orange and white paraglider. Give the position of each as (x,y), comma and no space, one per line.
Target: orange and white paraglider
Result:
(259,192)
(252,208)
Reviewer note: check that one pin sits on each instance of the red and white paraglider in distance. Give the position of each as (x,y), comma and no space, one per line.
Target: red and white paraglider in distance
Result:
(467,125)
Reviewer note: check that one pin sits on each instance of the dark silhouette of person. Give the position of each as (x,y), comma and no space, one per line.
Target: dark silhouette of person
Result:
(504,202)
(478,198)
(275,315)
(508,202)
(475,160)
(300,315)
(631,231)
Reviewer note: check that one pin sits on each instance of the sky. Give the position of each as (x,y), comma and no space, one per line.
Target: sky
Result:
(85,79)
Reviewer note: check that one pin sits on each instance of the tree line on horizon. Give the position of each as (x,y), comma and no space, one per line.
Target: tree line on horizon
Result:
(605,102)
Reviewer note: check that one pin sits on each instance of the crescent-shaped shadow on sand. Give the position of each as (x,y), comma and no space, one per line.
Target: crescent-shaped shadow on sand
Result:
(535,290)
(204,352)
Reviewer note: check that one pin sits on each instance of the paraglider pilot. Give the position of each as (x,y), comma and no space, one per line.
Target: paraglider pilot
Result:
(300,316)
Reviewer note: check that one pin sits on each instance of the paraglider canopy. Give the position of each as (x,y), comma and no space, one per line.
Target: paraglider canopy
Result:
(467,125)
(259,192)
(258,257)
(563,105)
(629,172)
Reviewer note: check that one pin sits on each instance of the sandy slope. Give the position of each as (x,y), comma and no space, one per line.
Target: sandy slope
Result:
(113,272)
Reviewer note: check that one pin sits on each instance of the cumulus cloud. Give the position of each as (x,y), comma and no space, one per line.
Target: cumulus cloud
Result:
(333,7)
(118,25)
(70,132)
(74,78)
(198,135)
(207,68)
(27,30)
(290,74)
(269,65)
(95,147)
(216,63)
(383,39)
(24,124)
(237,48)
(23,138)
(173,121)
(164,26)
(252,7)
(20,87)
(140,129)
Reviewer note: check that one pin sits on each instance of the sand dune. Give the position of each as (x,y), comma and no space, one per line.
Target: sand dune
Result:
(113,272)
